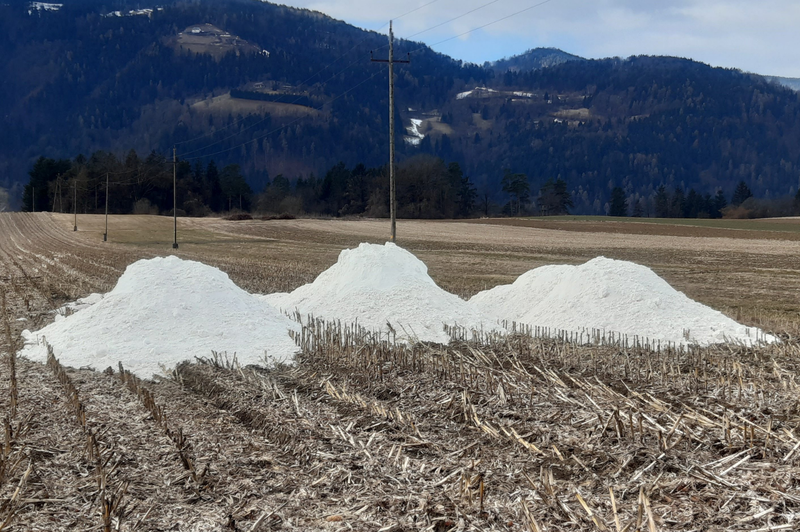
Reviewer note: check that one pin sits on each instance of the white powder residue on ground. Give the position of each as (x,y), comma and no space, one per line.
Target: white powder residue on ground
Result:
(163,311)
(612,295)
(372,285)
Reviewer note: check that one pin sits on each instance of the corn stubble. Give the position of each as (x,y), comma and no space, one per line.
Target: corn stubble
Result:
(676,433)
(535,431)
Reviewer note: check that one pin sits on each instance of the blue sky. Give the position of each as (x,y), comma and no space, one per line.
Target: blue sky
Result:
(762,37)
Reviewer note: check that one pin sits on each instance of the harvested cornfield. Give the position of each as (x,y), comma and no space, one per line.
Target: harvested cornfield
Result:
(522,432)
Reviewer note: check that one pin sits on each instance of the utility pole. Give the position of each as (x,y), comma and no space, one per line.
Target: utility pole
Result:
(175,197)
(75,204)
(60,203)
(105,235)
(391,61)
(33,200)
(58,191)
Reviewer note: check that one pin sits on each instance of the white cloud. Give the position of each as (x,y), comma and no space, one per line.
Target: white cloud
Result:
(754,36)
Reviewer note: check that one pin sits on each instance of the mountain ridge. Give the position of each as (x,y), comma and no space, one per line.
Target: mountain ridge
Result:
(533,59)
(80,81)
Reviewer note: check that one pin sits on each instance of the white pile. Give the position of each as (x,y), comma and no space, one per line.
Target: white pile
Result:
(163,311)
(373,285)
(612,295)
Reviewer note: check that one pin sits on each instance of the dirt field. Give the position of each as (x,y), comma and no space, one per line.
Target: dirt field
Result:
(521,434)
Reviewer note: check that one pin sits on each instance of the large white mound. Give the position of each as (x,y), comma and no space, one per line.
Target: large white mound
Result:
(373,285)
(612,295)
(163,311)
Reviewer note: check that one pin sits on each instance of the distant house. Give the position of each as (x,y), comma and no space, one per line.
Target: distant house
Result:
(196,30)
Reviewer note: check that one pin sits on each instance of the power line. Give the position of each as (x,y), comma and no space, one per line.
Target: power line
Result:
(487,4)
(347,67)
(484,25)
(329,65)
(409,12)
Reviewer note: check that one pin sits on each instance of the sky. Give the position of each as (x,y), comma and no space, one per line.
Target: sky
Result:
(755,36)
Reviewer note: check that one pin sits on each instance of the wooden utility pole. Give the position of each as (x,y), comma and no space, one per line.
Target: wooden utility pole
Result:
(175,197)
(60,202)
(105,235)
(75,204)
(391,61)
(58,192)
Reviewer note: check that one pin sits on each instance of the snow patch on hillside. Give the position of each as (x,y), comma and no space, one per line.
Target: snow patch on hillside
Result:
(43,6)
(414,136)
(134,12)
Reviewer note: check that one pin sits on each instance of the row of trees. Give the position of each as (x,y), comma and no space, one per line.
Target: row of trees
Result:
(135,185)
(678,204)
(427,187)
(554,198)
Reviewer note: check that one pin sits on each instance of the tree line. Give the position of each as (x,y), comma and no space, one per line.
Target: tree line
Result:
(135,185)
(692,204)
(427,187)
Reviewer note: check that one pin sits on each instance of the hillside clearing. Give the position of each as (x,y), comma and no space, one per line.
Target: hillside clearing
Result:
(224,105)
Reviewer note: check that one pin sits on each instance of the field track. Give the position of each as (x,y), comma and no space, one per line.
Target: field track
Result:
(521,434)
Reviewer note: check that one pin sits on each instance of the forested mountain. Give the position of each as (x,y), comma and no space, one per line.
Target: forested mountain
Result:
(533,59)
(277,90)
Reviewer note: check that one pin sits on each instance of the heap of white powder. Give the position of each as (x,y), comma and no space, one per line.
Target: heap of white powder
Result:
(373,285)
(611,295)
(163,311)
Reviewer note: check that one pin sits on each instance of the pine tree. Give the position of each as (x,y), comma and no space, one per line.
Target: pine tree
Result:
(518,187)
(619,203)
(638,210)
(741,193)
(678,203)
(554,197)
(662,202)
(719,203)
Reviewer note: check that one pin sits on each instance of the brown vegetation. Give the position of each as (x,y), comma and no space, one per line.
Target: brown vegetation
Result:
(490,433)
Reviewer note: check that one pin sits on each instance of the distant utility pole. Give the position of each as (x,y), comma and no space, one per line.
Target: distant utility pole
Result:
(105,235)
(60,202)
(33,200)
(75,205)
(58,197)
(175,197)
(391,61)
